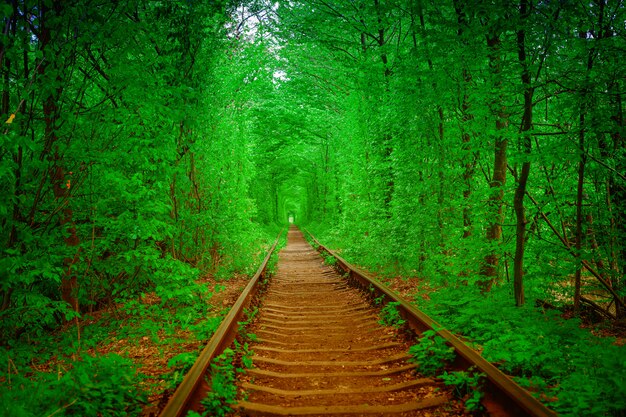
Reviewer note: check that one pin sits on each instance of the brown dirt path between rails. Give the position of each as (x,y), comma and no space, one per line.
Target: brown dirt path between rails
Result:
(320,350)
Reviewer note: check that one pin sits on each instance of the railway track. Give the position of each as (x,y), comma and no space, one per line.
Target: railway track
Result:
(319,349)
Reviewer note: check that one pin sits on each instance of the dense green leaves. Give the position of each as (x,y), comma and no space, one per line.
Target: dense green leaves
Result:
(146,144)
(127,167)
(570,368)
(95,386)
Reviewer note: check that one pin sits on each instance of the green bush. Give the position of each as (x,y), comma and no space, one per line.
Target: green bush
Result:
(468,386)
(597,386)
(223,391)
(180,365)
(95,386)
(390,316)
(431,353)
(568,367)
(329,260)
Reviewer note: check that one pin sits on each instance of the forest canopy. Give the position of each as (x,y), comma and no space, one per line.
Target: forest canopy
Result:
(472,145)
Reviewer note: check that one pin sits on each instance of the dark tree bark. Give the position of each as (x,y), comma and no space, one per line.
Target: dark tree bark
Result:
(520,191)
(584,97)
(489,269)
(9,28)
(60,184)
(469,162)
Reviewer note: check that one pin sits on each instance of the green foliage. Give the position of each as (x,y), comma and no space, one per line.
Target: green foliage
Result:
(554,357)
(242,325)
(102,385)
(272,264)
(94,386)
(597,375)
(390,316)
(137,185)
(378,300)
(431,353)
(149,182)
(223,391)
(580,397)
(204,329)
(244,356)
(187,307)
(180,365)
(329,259)
(468,386)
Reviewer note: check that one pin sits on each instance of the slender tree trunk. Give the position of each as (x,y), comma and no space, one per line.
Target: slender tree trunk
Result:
(582,161)
(489,269)
(326,177)
(520,191)
(469,166)
(440,136)
(469,163)
(617,200)
(387,142)
(579,206)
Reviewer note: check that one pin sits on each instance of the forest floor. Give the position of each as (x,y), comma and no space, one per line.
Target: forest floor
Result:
(409,288)
(150,352)
(152,361)
(161,349)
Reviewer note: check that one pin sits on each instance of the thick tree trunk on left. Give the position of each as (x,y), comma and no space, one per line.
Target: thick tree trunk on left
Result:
(60,183)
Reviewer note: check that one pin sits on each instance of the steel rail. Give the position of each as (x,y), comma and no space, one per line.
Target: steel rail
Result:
(188,394)
(503,396)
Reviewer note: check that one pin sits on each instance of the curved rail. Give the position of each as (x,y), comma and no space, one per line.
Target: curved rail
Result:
(188,393)
(503,397)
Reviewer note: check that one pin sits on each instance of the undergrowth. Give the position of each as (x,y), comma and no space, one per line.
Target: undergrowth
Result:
(390,316)
(47,363)
(573,371)
(431,353)
(42,374)
(223,392)
(94,386)
(223,389)
(468,387)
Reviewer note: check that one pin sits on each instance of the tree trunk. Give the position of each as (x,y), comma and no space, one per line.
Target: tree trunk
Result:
(387,142)
(581,168)
(520,191)
(60,185)
(5,110)
(440,135)
(579,207)
(489,269)
(617,190)
(469,162)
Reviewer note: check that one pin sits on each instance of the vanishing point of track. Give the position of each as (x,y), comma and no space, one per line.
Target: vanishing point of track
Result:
(320,350)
